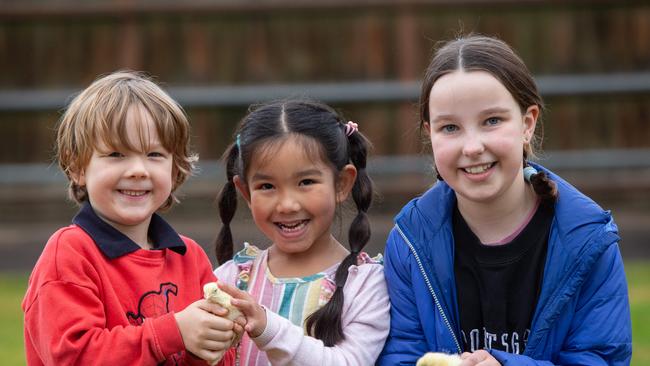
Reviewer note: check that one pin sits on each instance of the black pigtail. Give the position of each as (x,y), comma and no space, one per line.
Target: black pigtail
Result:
(362,193)
(325,323)
(227,201)
(544,186)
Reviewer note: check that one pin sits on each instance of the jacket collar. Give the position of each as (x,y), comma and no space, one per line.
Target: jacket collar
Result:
(575,214)
(114,243)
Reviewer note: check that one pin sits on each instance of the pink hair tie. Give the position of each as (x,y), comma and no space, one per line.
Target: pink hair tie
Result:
(351,128)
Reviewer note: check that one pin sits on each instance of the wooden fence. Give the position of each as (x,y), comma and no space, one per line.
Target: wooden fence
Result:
(365,57)
(64,45)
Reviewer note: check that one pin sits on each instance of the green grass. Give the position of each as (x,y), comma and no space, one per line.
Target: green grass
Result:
(638,278)
(12,289)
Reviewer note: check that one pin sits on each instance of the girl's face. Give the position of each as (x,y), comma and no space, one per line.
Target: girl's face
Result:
(477,135)
(293,197)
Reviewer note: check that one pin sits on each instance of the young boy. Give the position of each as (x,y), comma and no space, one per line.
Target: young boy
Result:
(119,286)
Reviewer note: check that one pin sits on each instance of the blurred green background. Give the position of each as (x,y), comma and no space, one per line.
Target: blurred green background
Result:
(590,58)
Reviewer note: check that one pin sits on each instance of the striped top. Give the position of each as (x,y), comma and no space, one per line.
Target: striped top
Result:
(291,298)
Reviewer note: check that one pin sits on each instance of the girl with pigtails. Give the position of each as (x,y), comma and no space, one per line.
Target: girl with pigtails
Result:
(307,299)
(501,261)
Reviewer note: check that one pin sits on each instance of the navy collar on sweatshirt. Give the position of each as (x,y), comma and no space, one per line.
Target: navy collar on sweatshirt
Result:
(114,243)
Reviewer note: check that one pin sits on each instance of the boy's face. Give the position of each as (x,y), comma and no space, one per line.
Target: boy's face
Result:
(126,187)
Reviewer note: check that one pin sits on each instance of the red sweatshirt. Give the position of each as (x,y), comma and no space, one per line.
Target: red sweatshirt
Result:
(94,297)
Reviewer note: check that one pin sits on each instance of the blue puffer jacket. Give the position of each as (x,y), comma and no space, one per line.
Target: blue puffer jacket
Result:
(582,316)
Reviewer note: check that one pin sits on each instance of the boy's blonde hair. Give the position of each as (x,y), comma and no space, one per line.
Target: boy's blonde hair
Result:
(98,116)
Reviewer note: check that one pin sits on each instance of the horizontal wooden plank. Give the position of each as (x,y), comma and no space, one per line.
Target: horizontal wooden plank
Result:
(340,92)
(16,10)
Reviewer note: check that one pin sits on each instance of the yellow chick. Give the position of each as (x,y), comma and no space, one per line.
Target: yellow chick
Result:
(438,359)
(214,294)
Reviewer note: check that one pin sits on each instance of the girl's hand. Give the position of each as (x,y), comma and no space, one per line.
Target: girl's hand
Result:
(479,358)
(204,329)
(254,313)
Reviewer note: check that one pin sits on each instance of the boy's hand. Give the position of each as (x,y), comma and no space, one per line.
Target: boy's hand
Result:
(205,330)
(480,357)
(240,323)
(254,313)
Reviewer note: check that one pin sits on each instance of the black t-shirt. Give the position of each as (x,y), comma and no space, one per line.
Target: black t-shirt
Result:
(498,286)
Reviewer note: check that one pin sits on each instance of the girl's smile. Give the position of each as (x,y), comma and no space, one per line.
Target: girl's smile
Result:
(478,169)
(292,229)
(478,173)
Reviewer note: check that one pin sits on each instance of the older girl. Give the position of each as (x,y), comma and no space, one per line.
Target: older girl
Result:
(501,260)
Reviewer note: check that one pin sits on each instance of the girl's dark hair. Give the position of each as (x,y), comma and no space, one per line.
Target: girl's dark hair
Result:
(492,55)
(325,130)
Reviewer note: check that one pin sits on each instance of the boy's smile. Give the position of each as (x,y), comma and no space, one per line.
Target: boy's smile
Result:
(133,193)
(126,187)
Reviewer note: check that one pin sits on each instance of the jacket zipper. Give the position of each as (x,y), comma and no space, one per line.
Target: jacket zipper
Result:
(433,293)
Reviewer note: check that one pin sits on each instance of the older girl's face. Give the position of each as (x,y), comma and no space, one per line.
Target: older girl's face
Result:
(477,135)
